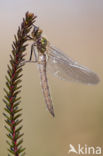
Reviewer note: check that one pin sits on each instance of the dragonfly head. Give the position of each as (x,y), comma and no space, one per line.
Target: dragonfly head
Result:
(36,33)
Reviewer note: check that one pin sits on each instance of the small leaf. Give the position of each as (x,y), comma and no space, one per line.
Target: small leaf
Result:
(6,116)
(17,82)
(15,45)
(16,40)
(13,51)
(10,74)
(8,143)
(17,87)
(16,111)
(8,80)
(6,102)
(23,154)
(19,70)
(16,93)
(7,93)
(19,136)
(8,111)
(7,98)
(9,136)
(10,70)
(20,142)
(8,86)
(19,76)
(16,104)
(8,129)
(12,62)
(18,122)
(17,116)
(21,150)
(16,99)
(11,151)
(18,129)
(8,122)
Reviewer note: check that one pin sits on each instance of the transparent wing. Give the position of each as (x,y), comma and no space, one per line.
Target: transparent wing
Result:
(64,68)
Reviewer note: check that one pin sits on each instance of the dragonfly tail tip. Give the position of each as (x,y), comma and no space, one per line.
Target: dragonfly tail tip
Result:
(52,113)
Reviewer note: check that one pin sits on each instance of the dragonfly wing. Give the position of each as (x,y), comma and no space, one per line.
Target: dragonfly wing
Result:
(65,68)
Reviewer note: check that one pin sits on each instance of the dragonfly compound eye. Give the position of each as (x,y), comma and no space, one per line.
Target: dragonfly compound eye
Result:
(44,42)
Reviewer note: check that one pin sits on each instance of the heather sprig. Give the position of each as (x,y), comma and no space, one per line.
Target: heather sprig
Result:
(12,99)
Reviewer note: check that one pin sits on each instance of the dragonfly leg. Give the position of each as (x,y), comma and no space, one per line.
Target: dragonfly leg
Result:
(32,49)
(35,56)
(29,37)
(31,53)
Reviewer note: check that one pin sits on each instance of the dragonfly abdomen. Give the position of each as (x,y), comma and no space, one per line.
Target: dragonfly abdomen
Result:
(44,83)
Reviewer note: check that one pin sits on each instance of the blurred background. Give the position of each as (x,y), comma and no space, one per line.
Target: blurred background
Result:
(75,27)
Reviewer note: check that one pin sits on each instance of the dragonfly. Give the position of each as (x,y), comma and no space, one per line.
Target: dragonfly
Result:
(53,60)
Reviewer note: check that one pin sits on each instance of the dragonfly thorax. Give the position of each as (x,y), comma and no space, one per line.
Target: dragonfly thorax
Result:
(42,44)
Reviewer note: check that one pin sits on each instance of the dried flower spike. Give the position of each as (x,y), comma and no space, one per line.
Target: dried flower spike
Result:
(13,87)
